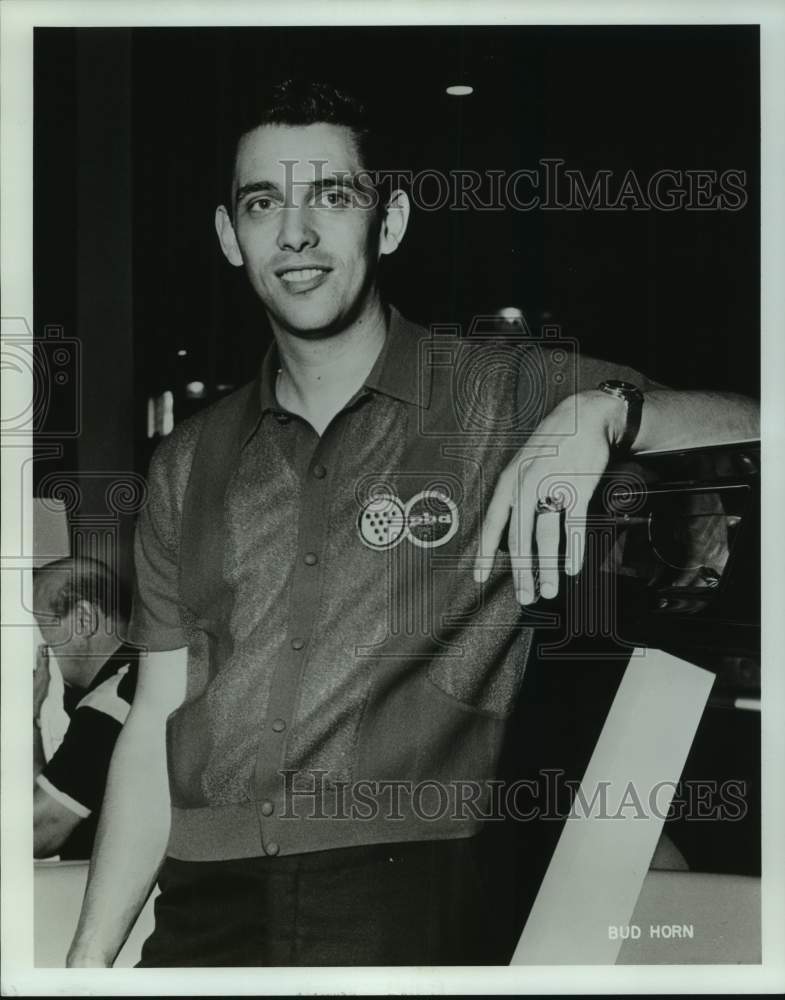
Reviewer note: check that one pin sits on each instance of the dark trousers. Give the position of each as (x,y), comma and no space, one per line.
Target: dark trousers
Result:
(434,903)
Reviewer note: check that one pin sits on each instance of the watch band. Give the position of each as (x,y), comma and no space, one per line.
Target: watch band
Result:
(633,397)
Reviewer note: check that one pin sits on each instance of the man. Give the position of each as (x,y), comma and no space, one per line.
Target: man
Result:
(81,620)
(331,667)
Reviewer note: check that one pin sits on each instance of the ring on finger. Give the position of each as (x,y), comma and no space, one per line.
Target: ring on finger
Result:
(550,505)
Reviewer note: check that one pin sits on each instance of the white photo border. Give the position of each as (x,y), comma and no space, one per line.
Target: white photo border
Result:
(19,977)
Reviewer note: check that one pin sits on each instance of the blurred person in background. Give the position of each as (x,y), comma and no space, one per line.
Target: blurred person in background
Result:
(79,609)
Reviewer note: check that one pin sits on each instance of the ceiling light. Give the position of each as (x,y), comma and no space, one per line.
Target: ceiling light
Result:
(182,353)
(511,314)
(460,90)
(195,390)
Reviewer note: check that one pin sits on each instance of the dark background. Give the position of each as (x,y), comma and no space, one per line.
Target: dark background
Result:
(133,128)
(676,294)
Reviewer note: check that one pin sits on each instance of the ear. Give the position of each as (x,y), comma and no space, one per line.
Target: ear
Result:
(394,223)
(85,619)
(227,237)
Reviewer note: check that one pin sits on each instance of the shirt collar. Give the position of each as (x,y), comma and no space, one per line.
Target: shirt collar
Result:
(123,655)
(397,372)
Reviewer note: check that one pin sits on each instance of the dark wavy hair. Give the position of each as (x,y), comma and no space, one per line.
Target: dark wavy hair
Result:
(303,102)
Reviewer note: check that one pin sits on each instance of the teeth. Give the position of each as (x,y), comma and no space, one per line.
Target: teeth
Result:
(305,275)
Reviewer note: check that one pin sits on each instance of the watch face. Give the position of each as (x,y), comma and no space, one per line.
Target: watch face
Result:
(620,388)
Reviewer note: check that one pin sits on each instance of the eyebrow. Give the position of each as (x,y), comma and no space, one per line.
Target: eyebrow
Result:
(317,186)
(256,187)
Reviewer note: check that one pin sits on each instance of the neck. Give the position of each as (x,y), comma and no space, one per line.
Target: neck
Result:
(318,377)
(85,669)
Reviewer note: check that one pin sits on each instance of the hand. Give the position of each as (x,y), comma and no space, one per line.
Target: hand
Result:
(583,428)
(40,678)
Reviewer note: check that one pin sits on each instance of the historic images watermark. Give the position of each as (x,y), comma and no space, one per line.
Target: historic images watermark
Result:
(551,185)
(312,794)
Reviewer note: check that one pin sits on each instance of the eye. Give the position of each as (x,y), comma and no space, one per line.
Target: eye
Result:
(333,198)
(260,206)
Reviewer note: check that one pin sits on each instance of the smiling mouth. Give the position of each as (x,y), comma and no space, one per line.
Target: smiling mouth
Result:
(303,275)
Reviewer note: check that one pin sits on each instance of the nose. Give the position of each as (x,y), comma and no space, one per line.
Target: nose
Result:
(297,232)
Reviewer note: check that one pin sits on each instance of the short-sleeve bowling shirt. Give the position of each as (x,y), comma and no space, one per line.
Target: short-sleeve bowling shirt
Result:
(348,681)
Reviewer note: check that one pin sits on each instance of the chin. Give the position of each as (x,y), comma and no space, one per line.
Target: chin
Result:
(312,323)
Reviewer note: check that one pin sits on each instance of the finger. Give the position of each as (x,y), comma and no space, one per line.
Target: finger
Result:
(521,543)
(492,528)
(575,538)
(547,532)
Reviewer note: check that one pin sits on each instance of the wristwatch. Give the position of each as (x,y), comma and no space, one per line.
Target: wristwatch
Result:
(633,397)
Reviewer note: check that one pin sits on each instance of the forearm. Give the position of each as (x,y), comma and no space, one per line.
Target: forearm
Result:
(673,419)
(587,426)
(130,844)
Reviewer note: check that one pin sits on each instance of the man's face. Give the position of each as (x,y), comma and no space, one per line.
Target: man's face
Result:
(69,636)
(60,634)
(309,245)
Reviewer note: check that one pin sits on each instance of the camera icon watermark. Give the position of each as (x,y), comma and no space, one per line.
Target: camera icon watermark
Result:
(501,378)
(41,382)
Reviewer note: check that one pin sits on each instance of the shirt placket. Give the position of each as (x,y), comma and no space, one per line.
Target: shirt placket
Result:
(304,602)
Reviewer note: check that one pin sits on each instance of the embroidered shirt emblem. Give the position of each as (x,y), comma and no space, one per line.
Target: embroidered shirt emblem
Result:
(429,519)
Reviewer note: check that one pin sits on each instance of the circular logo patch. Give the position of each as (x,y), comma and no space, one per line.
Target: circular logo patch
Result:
(431,519)
(382,522)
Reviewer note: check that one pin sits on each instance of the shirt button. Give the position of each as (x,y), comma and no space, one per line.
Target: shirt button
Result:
(272,848)
(278,726)
(297,643)
(319,471)
(267,808)
(311,559)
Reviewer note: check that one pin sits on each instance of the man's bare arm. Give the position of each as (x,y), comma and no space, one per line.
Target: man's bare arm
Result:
(673,419)
(586,427)
(135,818)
